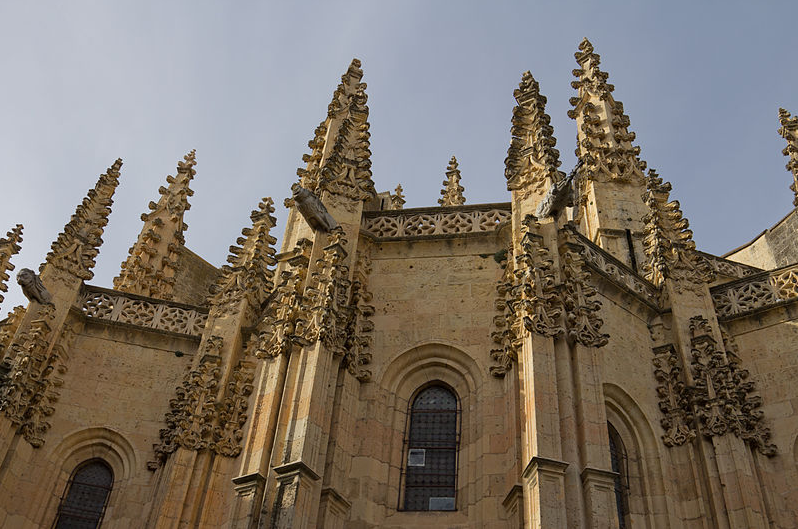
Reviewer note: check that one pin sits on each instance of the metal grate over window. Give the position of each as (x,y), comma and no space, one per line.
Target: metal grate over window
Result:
(620,464)
(86,496)
(431,446)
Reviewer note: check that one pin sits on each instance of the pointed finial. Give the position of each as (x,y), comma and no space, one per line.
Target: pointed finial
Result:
(76,248)
(8,247)
(248,274)
(398,198)
(668,243)
(152,263)
(452,190)
(789,131)
(604,143)
(532,161)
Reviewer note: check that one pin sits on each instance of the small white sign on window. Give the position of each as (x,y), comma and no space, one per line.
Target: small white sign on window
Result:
(441,504)
(416,457)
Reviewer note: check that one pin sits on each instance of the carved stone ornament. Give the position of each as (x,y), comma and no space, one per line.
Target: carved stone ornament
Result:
(789,131)
(722,394)
(578,295)
(398,198)
(452,192)
(33,288)
(150,268)
(443,222)
(360,327)
(78,245)
(674,403)
(232,416)
(8,248)
(507,329)
(534,296)
(604,141)
(559,196)
(8,327)
(286,313)
(670,250)
(190,420)
(30,390)
(757,292)
(532,161)
(328,296)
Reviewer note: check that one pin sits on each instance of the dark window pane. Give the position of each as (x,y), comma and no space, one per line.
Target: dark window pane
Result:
(433,438)
(83,505)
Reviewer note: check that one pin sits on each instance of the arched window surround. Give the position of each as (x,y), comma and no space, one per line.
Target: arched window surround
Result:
(85,497)
(424,442)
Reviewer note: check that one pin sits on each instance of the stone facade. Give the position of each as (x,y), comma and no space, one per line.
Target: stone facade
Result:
(604,373)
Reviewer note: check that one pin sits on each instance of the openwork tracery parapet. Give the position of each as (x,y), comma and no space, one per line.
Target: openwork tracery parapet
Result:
(434,221)
(757,292)
(110,305)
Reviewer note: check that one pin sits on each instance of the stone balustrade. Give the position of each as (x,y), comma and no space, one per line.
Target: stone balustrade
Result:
(436,221)
(756,292)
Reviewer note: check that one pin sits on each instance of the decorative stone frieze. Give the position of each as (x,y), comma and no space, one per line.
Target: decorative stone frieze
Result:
(674,403)
(789,131)
(452,192)
(578,295)
(722,396)
(669,246)
(78,245)
(232,416)
(408,224)
(109,305)
(604,141)
(532,161)
(534,297)
(190,420)
(8,247)
(248,275)
(153,261)
(756,292)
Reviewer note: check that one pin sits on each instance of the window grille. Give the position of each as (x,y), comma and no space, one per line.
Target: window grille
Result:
(86,496)
(620,465)
(431,446)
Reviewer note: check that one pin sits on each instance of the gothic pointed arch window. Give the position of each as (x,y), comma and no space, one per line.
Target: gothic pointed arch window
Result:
(431,446)
(85,497)
(620,465)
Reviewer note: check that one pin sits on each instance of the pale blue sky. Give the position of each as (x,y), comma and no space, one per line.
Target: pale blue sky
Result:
(246,83)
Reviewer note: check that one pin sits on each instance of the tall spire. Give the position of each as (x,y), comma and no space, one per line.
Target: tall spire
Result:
(248,274)
(532,161)
(8,247)
(789,131)
(78,245)
(604,141)
(150,268)
(670,250)
(340,159)
(452,190)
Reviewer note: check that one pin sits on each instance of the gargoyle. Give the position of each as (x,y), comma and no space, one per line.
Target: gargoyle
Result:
(312,209)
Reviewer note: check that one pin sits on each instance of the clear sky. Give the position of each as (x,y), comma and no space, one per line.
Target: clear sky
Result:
(246,83)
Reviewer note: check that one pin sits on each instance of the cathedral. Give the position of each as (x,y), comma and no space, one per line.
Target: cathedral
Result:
(566,359)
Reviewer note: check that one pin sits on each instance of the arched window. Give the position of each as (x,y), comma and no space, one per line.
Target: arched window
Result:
(620,465)
(432,439)
(86,496)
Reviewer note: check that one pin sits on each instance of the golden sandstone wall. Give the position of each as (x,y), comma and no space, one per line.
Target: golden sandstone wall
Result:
(607,374)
